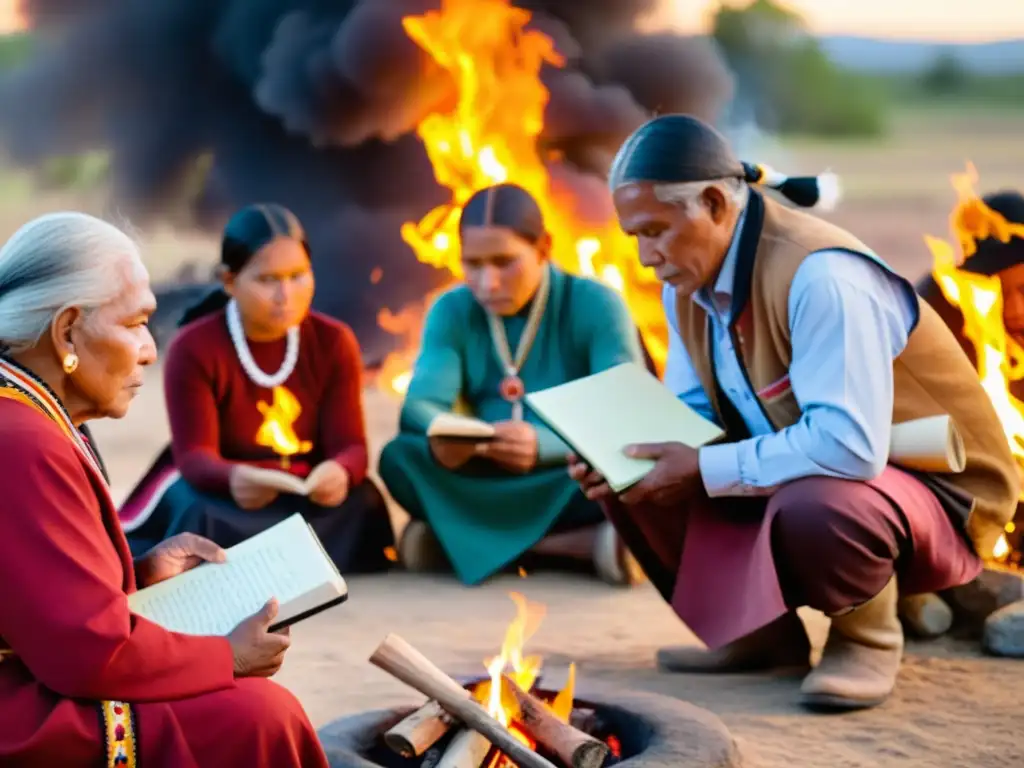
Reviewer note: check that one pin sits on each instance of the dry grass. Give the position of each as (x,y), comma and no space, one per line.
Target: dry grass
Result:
(898,189)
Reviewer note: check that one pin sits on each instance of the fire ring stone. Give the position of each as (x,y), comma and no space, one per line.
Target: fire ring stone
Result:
(655,732)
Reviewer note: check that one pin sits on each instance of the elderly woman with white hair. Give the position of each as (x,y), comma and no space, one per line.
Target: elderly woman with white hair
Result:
(83,681)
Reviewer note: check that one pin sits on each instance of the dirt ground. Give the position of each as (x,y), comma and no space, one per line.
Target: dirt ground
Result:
(953,707)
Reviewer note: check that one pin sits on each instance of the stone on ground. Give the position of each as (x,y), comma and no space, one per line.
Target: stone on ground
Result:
(1004,631)
(973,603)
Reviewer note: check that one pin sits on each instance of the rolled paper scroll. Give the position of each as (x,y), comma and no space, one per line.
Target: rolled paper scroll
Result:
(932,444)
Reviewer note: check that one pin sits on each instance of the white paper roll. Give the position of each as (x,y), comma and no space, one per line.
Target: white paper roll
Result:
(932,444)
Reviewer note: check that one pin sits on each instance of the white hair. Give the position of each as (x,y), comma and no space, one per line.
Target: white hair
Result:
(687,192)
(54,262)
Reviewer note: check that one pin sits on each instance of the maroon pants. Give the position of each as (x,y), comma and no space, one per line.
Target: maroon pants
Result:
(821,542)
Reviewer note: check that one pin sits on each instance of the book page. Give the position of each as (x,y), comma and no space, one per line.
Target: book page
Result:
(313,478)
(458,426)
(599,415)
(279,480)
(285,562)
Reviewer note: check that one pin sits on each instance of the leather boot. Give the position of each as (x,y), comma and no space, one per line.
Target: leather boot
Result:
(861,658)
(613,562)
(781,644)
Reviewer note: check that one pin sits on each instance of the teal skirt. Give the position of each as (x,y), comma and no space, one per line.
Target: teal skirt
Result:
(484,517)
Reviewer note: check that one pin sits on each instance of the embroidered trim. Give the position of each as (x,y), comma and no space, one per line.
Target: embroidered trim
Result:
(775,389)
(36,393)
(257,376)
(119,734)
(118,718)
(18,384)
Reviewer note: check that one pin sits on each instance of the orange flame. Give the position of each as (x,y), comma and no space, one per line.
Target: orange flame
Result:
(980,300)
(522,669)
(277,431)
(501,704)
(489,137)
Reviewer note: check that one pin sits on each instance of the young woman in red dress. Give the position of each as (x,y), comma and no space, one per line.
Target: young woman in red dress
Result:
(236,350)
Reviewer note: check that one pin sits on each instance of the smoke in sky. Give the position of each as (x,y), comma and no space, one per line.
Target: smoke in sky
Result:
(313,104)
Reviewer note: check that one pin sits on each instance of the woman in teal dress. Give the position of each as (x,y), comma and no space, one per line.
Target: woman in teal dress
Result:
(517,325)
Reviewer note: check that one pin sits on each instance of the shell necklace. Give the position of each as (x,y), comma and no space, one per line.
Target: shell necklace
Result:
(257,376)
(512,388)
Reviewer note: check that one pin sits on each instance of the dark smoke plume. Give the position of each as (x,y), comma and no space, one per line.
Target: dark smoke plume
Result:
(312,103)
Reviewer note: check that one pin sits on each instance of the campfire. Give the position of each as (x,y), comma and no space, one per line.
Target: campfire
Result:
(979,298)
(489,137)
(501,721)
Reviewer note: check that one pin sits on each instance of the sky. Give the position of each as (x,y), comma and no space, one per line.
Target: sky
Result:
(10,16)
(939,20)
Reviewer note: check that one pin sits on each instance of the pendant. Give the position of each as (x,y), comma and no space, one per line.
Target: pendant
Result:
(512,389)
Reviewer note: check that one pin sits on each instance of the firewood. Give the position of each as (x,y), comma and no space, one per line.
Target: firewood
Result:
(584,719)
(399,659)
(468,749)
(419,731)
(432,757)
(571,745)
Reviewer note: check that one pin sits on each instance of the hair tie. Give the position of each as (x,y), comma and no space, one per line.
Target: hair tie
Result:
(820,192)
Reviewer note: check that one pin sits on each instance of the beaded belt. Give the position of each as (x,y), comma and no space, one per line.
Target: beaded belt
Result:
(117,719)
(119,734)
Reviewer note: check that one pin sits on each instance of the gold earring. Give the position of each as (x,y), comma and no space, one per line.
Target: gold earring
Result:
(70,363)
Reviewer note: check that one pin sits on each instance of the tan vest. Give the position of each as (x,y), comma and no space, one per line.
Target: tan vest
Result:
(932,376)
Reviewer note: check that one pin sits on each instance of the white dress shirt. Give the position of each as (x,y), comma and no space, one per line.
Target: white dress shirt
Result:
(848,319)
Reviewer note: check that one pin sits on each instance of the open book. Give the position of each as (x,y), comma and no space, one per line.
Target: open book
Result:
(454,426)
(286,561)
(285,482)
(599,415)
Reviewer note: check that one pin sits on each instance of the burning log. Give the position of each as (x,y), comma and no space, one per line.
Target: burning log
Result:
(571,745)
(399,659)
(419,731)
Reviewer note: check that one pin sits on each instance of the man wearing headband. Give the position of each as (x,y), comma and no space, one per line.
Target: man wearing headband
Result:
(518,324)
(805,347)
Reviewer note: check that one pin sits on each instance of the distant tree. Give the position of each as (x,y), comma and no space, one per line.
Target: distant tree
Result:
(945,76)
(86,171)
(14,49)
(786,78)
(752,35)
